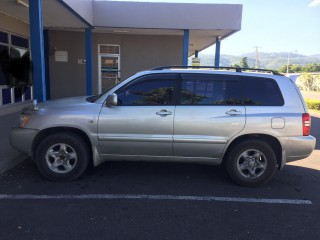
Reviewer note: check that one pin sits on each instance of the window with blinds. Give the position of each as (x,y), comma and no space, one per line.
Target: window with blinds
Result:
(109,49)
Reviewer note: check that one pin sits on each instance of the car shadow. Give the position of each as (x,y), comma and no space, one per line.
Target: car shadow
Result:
(183,179)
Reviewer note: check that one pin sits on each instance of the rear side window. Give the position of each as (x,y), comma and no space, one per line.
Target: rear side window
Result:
(208,89)
(261,92)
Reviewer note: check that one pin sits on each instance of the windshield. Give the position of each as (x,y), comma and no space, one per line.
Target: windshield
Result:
(94,98)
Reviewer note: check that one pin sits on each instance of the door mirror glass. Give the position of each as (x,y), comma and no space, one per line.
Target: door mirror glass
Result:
(112,100)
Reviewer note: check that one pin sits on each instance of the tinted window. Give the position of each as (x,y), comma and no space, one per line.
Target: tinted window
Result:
(19,41)
(4,61)
(3,37)
(148,90)
(261,92)
(205,89)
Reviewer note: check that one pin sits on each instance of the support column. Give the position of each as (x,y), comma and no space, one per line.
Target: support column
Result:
(37,50)
(217,56)
(88,61)
(46,61)
(185,47)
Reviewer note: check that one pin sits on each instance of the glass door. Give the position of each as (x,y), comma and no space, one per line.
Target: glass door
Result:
(109,72)
(109,66)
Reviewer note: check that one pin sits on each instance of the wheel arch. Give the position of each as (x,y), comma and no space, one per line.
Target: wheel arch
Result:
(54,130)
(273,142)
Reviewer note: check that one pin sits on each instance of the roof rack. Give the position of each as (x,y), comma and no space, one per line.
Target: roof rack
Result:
(237,69)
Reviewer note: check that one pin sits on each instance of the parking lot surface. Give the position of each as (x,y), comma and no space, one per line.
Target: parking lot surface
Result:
(137,200)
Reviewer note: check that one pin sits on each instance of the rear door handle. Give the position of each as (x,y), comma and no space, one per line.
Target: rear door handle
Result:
(233,112)
(163,113)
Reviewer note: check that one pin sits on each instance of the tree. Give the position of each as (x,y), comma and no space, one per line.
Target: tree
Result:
(295,68)
(305,81)
(316,83)
(235,66)
(312,67)
(292,68)
(283,68)
(244,62)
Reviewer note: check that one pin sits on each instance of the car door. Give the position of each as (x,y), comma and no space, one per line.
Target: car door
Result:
(142,122)
(209,113)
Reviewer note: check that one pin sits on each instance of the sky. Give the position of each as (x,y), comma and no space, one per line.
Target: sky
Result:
(272,25)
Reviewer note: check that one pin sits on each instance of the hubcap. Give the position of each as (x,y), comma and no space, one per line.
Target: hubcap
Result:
(252,163)
(61,158)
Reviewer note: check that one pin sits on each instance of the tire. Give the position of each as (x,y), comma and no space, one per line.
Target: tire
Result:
(62,157)
(251,163)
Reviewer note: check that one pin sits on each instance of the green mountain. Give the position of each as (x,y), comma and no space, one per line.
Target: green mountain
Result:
(266,60)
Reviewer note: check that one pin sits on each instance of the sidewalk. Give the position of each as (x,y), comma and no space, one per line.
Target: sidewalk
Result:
(8,157)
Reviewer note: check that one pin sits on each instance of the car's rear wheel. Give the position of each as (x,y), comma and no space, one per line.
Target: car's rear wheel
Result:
(251,163)
(62,157)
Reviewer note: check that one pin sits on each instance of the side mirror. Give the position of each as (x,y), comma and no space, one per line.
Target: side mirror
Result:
(112,100)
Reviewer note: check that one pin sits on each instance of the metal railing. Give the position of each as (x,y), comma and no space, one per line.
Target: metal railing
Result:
(8,96)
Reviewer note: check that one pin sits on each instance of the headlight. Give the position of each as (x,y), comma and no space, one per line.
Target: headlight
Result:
(23,119)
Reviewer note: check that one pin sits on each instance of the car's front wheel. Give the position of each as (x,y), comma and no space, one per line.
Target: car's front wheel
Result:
(251,163)
(62,157)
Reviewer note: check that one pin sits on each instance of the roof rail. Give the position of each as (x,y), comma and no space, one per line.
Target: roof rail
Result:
(237,69)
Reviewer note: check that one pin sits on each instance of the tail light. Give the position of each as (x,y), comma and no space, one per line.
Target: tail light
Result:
(306,124)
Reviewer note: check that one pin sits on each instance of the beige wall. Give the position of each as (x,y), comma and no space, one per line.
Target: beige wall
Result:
(13,25)
(67,79)
(137,52)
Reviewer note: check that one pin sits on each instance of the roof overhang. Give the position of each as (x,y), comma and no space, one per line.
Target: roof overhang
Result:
(55,14)
(205,21)
(196,16)
(198,39)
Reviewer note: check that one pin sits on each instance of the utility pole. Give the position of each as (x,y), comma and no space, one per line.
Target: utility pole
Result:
(257,56)
(288,60)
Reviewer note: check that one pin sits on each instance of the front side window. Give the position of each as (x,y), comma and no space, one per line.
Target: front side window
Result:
(261,92)
(208,89)
(148,90)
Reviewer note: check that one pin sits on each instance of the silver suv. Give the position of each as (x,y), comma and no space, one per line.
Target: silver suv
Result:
(252,122)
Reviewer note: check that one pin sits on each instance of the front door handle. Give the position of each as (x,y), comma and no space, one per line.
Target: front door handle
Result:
(163,113)
(233,112)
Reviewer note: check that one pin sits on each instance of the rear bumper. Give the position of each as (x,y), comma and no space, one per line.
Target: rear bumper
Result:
(21,139)
(296,148)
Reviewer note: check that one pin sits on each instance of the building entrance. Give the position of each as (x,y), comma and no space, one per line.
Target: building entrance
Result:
(109,66)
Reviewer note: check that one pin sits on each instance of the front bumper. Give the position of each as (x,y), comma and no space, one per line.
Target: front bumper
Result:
(21,139)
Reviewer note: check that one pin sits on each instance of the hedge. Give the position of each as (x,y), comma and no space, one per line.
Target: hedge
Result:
(313,104)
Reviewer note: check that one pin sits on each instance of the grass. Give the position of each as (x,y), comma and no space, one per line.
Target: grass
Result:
(312,100)
(313,103)
(314,112)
